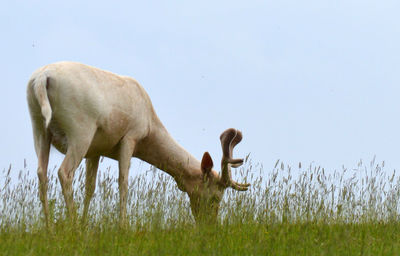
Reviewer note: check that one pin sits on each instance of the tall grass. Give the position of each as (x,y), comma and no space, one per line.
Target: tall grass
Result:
(304,210)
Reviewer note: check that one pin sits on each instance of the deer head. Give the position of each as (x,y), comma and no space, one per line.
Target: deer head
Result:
(205,200)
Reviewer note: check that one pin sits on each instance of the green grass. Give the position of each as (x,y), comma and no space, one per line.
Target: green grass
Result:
(246,239)
(307,211)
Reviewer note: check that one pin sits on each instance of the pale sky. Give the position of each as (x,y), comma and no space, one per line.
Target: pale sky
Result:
(310,81)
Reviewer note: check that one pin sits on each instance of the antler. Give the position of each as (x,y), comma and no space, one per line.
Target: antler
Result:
(229,139)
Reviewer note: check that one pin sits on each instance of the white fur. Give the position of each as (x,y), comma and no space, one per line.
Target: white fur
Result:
(86,112)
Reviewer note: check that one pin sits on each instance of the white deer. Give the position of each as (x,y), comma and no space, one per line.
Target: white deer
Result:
(86,112)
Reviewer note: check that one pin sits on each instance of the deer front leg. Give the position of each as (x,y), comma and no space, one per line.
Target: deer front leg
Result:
(127,147)
(90,183)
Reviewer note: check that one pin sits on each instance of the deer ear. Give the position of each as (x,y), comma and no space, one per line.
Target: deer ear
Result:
(206,163)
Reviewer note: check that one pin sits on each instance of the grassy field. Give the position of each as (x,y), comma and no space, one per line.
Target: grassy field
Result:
(306,211)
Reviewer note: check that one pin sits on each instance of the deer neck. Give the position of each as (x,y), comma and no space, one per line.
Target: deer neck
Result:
(162,151)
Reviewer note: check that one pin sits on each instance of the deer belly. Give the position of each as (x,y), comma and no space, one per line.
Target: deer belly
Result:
(102,144)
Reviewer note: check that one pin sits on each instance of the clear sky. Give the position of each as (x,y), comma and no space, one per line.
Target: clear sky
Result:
(304,80)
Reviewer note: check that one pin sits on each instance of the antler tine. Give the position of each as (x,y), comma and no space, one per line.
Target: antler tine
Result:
(240,186)
(229,139)
(226,138)
(237,138)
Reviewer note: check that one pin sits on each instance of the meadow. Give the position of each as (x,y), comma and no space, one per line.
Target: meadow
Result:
(301,210)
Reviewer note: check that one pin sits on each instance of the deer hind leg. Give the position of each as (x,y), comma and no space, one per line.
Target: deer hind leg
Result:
(90,183)
(127,147)
(43,149)
(77,149)
(42,140)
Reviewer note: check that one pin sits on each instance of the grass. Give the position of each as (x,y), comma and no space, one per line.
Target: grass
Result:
(307,211)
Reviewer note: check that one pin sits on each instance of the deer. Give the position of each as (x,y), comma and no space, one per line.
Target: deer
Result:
(87,112)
